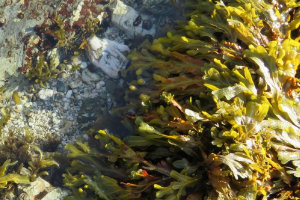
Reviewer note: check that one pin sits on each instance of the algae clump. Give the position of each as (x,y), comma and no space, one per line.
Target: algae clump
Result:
(218,115)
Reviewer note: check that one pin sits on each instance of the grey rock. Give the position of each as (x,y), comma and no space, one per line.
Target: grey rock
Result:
(39,187)
(89,77)
(61,86)
(69,94)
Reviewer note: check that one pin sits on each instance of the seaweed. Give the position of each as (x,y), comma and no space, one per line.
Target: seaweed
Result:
(43,69)
(6,178)
(25,155)
(5,115)
(217,115)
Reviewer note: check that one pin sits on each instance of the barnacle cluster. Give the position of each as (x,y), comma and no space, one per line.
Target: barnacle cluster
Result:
(219,113)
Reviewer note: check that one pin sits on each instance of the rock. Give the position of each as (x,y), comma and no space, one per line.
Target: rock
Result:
(45,94)
(131,22)
(39,189)
(83,65)
(61,86)
(42,190)
(13,31)
(111,85)
(89,77)
(57,194)
(75,84)
(69,94)
(88,112)
(107,55)
(99,85)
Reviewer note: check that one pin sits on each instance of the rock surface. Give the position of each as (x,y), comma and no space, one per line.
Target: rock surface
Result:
(131,21)
(107,55)
(40,189)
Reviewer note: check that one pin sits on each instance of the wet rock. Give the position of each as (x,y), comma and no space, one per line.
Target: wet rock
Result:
(61,86)
(39,189)
(69,94)
(129,20)
(100,85)
(107,55)
(75,83)
(13,31)
(89,77)
(147,24)
(45,94)
(87,112)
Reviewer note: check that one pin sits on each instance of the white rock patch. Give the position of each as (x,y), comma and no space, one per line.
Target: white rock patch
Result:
(127,19)
(107,55)
(45,94)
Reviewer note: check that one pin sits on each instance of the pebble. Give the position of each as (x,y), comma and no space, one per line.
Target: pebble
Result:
(100,84)
(89,77)
(75,84)
(61,87)
(45,94)
(83,65)
(69,94)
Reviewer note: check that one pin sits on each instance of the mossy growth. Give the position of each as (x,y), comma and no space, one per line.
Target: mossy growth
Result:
(23,153)
(219,111)
(5,115)
(42,69)
(9,178)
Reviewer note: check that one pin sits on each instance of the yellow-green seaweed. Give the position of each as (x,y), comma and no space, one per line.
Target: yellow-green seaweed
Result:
(219,111)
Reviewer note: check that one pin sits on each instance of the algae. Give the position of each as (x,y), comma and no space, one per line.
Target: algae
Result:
(217,115)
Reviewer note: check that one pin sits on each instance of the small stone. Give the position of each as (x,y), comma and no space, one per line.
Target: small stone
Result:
(100,85)
(45,94)
(75,84)
(83,65)
(61,87)
(19,108)
(107,55)
(27,104)
(69,94)
(57,193)
(78,97)
(89,77)
(63,75)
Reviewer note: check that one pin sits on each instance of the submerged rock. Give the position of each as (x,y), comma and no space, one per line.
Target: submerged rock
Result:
(131,21)
(39,189)
(107,55)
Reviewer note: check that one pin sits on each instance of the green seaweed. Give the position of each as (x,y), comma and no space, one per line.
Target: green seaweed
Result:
(5,115)
(5,178)
(27,156)
(43,70)
(39,163)
(217,115)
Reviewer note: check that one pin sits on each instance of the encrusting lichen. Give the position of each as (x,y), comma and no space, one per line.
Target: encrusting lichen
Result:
(219,113)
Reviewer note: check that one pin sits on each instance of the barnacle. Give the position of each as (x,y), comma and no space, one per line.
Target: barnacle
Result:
(220,106)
